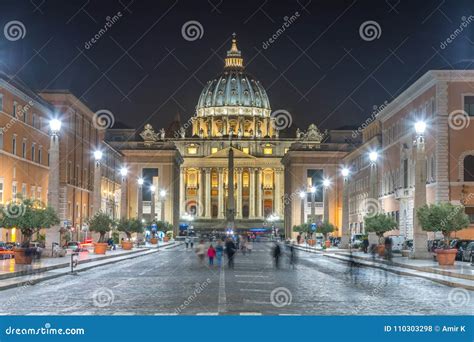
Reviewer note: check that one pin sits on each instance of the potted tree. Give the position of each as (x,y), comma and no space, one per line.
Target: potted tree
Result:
(29,217)
(129,226)
(305,228)
(445,218)
(325,228)
(100,223)
(169,233)
(379,224)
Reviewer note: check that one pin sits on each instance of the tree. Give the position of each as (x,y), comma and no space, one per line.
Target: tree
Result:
(303,228)
(29,216)
(100,223)
(325,228)
(443,217)
(129,226)
(379,224)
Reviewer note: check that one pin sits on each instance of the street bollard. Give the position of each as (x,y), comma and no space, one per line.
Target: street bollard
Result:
(74,261)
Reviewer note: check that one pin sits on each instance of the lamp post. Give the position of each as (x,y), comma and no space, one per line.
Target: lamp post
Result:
(53,234)
(313,204)
(302,197)
(162,200)
(345,233)
(420,248)
(326,185)
(140,198)
(123,193)
(152,210)
(97,181)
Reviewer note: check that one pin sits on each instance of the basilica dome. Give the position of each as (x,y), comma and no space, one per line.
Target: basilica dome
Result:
(233,92)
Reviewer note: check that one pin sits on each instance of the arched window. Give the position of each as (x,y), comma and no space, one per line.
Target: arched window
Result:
(469,168)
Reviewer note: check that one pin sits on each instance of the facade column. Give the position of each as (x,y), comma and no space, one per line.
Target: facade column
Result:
(277,192)
(221,190)
(208,193)
(259,193)
(240,183)
(345,231)
(420,249)
(124,198)
(140,201)
(182,191)
(97,187)
(373,196)
(200,208)
(326,203)
(251,193)
(53,235)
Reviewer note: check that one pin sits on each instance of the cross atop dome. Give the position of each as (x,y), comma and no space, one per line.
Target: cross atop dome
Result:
(234,58)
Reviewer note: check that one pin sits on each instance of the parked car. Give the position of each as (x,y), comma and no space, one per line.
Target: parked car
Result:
(468,252)
(356,240)
(460,245)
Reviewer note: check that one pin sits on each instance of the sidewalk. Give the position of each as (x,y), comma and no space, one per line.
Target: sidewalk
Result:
(461,274)
(12,275)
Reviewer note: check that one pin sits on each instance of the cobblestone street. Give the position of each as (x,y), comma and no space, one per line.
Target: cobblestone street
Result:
(171,282)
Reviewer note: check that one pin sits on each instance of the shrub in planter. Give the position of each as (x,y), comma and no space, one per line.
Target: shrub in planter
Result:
(325,228)
(379,224)
(29,217)
(444,218)
(100,223)
(129,226)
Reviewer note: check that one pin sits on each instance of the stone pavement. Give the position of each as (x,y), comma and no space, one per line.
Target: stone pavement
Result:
(461,274)
(12,275)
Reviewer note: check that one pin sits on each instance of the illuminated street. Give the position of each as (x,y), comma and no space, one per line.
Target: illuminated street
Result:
(172,282)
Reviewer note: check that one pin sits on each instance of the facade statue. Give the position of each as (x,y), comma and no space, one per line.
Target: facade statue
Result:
(314,134)
(182,132)
(201,133)
(148,135)
(162,134)
(240,133)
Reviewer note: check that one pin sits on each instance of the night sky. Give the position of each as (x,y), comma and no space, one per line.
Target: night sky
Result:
(320,68)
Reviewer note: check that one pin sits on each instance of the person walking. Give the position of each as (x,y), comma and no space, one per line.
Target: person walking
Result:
(219,253)
(211,253)
(277,254)
(186,241)
(292,255)
(191,242)
(230,250)
(243,246)
(388,248)
(249,247)
(201,251)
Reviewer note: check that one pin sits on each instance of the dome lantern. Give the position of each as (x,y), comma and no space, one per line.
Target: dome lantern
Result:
(234,58)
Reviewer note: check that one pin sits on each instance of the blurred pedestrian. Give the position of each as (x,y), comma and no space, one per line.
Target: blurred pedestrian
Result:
(365,244)
(186,241)
(388,248)
(211,253)
(230,250)
(219,253)
(292,255)
(201,251)
(243,246)
(249,247)
(191,241)
(276,254)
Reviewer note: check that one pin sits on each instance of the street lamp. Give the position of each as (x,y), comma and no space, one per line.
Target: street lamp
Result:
(98,155)
(55,126)
(140,181)
(345,234)
(162,197)
(152,211)
(312,190)
(326,185)
(373,156)
(123,171)
(326,182)
(420,127)
(97,181)
(345,172)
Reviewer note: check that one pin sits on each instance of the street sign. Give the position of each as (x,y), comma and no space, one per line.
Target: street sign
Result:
(313,227)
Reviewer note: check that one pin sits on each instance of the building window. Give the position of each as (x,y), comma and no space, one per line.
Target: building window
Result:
(192,149)
(433,168)
(214,150)
(23,148)
(470,213)
(14,109)
(40,155)
(246,150)
(14,144)
(23,190)
(1,138)
(33,120)
(14,190)
(405,173)
(469,105)
(267,150)
(33,192)
(469,169)
(1,102)
(33,151)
